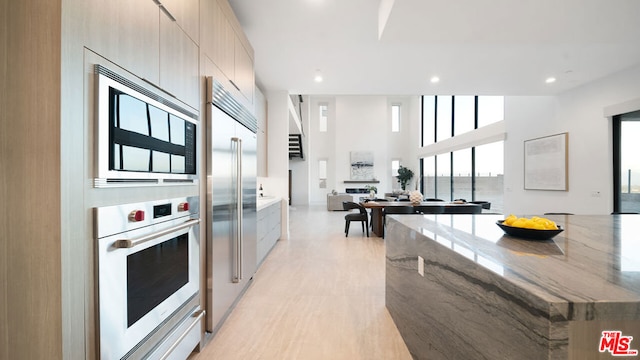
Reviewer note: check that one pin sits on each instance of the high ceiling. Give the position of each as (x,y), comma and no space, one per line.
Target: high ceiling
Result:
(475,47)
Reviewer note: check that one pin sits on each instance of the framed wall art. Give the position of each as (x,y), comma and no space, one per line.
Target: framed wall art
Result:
(362,165)
(545,163)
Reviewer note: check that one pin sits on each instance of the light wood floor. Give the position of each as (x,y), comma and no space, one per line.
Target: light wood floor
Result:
(318,295)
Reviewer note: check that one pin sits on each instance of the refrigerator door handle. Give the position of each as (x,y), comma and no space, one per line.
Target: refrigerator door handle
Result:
(237,277)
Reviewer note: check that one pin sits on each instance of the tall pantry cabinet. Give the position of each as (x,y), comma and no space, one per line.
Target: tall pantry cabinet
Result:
(47,48)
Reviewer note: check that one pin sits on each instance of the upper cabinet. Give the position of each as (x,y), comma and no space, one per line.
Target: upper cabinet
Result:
(126,33)
(178,62)
(154,40)
(224,42)
(186,14)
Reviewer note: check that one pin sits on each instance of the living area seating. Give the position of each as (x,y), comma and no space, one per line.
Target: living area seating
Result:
(334,202)
(361,216)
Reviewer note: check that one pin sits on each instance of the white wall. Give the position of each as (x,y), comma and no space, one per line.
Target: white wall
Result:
(361,123)
(580,113)
(262,143)
(277,183)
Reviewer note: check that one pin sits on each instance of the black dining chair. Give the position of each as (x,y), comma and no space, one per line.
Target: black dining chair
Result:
(485,204)
(360,216)
(388,210)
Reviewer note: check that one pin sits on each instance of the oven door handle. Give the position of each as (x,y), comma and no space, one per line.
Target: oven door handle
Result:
(129,243)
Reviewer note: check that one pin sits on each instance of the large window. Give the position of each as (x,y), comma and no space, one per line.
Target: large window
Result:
(471,173)
(428,120)
(627,163)
(490,110)
(489,174)
(461,175)
(464,114)
(443,177)
(443,117)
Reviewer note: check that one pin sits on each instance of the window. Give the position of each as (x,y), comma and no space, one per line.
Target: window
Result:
(461,178)
(322,173)
(395,118)
(443,117)
(322,118)
(490,109)
(429,177)
(627,175)
(489,174)
(395,165)
(472,173)
(428,120)
(443,177)
(464,114)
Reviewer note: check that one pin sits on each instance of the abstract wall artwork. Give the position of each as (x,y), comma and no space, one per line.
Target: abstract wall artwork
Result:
(545,163)
(362,165)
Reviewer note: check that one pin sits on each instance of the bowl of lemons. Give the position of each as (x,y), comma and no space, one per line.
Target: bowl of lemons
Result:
(534,228)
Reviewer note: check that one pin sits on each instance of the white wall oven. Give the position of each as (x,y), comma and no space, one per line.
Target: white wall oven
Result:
(148,276)
(142,138)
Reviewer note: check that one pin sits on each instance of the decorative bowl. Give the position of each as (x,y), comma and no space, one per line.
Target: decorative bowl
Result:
(530,234)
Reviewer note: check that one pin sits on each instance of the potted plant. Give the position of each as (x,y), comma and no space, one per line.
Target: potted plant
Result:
(404,176)
(372,190)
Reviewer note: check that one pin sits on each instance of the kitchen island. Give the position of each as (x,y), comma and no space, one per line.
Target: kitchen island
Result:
(457,287)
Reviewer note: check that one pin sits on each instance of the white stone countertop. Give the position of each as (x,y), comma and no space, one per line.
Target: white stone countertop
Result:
(265,201)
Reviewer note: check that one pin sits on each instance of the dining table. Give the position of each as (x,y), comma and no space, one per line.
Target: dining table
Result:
(430,207)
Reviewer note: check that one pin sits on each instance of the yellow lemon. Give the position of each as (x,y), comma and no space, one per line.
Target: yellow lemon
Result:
(535,222)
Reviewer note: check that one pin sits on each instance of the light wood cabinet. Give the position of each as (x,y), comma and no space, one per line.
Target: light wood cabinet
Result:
(187,16)
(178,62)
(126,33)
(224,42)
(243,71)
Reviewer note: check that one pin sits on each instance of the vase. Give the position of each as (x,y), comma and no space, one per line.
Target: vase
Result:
(415,197)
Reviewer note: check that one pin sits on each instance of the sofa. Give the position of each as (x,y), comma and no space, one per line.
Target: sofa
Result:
(334,202)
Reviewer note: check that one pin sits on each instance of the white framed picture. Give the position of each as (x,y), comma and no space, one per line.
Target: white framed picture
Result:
(545,163)
(362,165)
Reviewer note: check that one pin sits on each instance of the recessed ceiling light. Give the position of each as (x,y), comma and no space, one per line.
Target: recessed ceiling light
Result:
(318,76)
(435,79)
(550,80)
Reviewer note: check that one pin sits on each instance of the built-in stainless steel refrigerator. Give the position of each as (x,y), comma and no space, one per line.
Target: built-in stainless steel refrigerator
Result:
(231,202)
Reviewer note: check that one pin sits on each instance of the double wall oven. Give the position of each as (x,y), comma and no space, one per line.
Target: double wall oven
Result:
(147,253)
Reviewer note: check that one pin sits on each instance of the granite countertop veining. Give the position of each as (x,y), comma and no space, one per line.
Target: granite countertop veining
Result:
(582,272)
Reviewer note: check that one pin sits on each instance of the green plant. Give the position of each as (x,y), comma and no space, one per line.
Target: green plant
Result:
(371,187)
(404,176)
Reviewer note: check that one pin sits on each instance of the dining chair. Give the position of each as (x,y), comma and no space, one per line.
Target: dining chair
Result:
(360,216)
(388,210)
(485,204)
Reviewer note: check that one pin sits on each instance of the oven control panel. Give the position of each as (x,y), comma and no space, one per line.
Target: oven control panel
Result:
(115,219)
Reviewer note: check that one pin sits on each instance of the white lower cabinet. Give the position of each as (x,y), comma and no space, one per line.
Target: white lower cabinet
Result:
(268,230)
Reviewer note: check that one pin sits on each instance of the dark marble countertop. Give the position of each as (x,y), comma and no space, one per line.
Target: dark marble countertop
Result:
(589,271)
